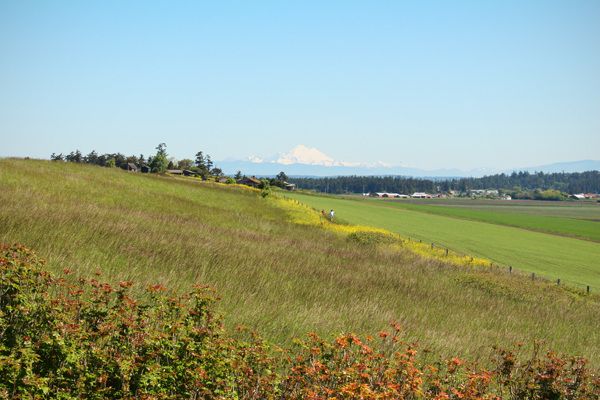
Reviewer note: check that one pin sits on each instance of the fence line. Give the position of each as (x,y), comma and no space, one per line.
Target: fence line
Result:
(499,268)
(511,270)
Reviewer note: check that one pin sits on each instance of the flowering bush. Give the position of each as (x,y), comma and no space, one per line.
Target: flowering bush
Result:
(366,237)
(89,340)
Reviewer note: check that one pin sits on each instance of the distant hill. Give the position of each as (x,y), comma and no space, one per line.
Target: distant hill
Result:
(298,169)
(574,166)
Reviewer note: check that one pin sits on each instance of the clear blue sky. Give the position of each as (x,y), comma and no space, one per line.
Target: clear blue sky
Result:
(433,84)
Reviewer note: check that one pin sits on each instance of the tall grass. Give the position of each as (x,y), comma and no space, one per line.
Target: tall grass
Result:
(279,277)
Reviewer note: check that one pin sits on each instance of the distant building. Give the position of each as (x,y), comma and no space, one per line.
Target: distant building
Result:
(187,172)
(175,171)
(290,186)
(579,196)
(249,181)
(146,169)
(222,179)
(420,195)
(390,195)
(131,167)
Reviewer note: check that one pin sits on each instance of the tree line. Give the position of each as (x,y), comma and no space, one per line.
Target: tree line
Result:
(522,184)
(202,165)
(518,183)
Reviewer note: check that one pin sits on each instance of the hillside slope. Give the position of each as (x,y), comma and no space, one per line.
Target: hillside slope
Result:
(275,276)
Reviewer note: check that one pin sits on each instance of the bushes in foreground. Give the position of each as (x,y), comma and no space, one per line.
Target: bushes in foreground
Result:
(89,340)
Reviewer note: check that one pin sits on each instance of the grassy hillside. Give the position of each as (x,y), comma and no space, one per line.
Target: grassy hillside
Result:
(282,278)
(565,226)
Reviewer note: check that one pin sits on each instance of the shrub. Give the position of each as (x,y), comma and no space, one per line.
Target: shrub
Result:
(65,340)
(265,187)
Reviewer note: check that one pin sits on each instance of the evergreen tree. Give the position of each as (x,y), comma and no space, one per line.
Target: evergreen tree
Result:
(162,149)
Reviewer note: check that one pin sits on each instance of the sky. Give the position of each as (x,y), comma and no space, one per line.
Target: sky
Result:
(429,84)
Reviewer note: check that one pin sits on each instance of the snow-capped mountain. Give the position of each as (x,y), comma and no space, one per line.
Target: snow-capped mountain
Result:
(302,161)
(303,155)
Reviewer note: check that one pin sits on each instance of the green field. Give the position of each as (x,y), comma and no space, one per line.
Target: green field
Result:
(560,225)
(281,278)
(551,256)
(586,210)
(583,210)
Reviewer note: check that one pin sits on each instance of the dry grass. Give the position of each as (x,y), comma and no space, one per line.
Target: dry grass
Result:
(281,278)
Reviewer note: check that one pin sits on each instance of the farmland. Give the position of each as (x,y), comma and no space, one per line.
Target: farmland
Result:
(280,277)
(536,217)
(586,210)
(554,257)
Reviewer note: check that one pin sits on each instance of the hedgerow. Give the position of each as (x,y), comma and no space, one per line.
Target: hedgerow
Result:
(62,339)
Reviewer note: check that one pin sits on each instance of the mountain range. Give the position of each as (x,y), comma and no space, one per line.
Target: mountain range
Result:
(302,161)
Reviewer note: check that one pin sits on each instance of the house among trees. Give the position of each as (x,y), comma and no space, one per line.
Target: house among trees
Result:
(222,179)
(248,181)
(146,169)
(290,186)
(175,171)
(187,172)
(131,167)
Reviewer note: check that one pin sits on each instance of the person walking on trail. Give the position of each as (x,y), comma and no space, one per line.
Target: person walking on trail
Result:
(331,214)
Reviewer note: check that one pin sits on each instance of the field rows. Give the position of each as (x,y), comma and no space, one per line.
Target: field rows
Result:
(565,226)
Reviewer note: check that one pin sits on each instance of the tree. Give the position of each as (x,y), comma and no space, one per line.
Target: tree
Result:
(131,159)
(217,172)
(161,149)
(282,176)
(199,159)
(266,188)
(92,158)
(111,163)
(170,165)
(238,175)
(186,163)
(208,163)
(159,162)
(75,157)
(56,157)
(230,181)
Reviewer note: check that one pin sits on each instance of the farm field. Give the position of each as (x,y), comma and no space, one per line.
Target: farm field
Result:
(586,210)
(551,256)
(560,225)
(276,276)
